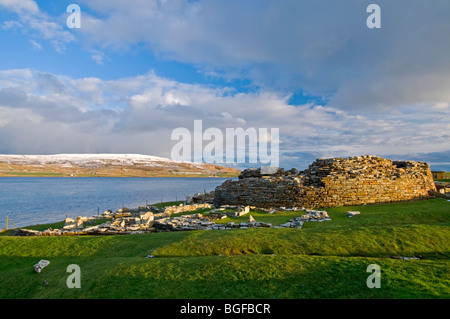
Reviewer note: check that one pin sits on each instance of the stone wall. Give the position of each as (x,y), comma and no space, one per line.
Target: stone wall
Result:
(330,182)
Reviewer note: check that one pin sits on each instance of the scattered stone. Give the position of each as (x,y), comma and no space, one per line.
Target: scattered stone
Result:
(297,222)
(201,198)
(177,209)
(106,213)
(315,215)
(251,219)
(25,232)
(153,209)
(241,211)
(407,258)
(353,213)
(213,215)
(51,232)
(442,187)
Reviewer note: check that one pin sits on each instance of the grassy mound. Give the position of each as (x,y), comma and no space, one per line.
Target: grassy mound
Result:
(322,260)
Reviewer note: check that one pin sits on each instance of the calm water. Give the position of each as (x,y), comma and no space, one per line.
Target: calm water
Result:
(38,200)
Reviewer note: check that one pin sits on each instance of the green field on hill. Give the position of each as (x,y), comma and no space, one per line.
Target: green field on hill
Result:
(322,260)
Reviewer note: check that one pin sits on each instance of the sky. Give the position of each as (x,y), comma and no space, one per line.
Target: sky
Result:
(136,70)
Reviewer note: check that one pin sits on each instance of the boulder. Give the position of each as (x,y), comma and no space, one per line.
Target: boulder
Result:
(352,213)
(107,212)
(147,218)
(25,232)
(41,265)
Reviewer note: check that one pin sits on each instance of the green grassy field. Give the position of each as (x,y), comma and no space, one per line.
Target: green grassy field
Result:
(322,260)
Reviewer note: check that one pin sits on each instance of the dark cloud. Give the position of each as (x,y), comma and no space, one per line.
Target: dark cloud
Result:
(12,97)
(322,47)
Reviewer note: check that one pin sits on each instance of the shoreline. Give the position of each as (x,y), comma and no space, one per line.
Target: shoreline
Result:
(116,176)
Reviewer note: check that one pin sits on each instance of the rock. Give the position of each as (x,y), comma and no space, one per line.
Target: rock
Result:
(69,221)
(251,219)
(69,226)
(213,215)
(80,221)
(153,209)
(51,232)
(25,232)
(201,198)
(146,218)
(353,213)
(107,212)
(315,215)
(242,210)
(293,223)
(407,258)
(262,224)
(176,209)
(41,265)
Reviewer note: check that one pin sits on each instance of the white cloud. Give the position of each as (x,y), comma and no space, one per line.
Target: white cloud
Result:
(36,23)
(36,45)
(98,57)
(20,6)
(322,47)
(11,25)
(47,113)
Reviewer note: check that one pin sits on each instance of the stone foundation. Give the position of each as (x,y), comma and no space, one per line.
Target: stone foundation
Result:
(330,182)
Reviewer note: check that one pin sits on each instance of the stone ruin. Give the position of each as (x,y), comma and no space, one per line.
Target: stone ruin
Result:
(443,189)
(201,198)
(151,219)
(326,183)
(329,183)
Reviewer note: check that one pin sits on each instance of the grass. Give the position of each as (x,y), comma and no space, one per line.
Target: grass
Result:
(165,204)
(322,260)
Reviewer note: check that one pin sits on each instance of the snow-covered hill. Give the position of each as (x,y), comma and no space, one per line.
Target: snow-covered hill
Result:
(107,164)
(90,160)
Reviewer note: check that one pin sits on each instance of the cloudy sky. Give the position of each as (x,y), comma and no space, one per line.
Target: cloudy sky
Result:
(136,70)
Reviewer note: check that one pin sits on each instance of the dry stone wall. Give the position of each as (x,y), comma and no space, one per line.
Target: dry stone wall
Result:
(330,182)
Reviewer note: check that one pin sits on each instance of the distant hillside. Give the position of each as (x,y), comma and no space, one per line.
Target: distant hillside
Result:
(106,165)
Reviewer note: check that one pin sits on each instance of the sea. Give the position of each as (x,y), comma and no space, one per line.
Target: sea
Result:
(40,200)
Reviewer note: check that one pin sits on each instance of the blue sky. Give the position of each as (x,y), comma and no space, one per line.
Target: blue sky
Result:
(136,70)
